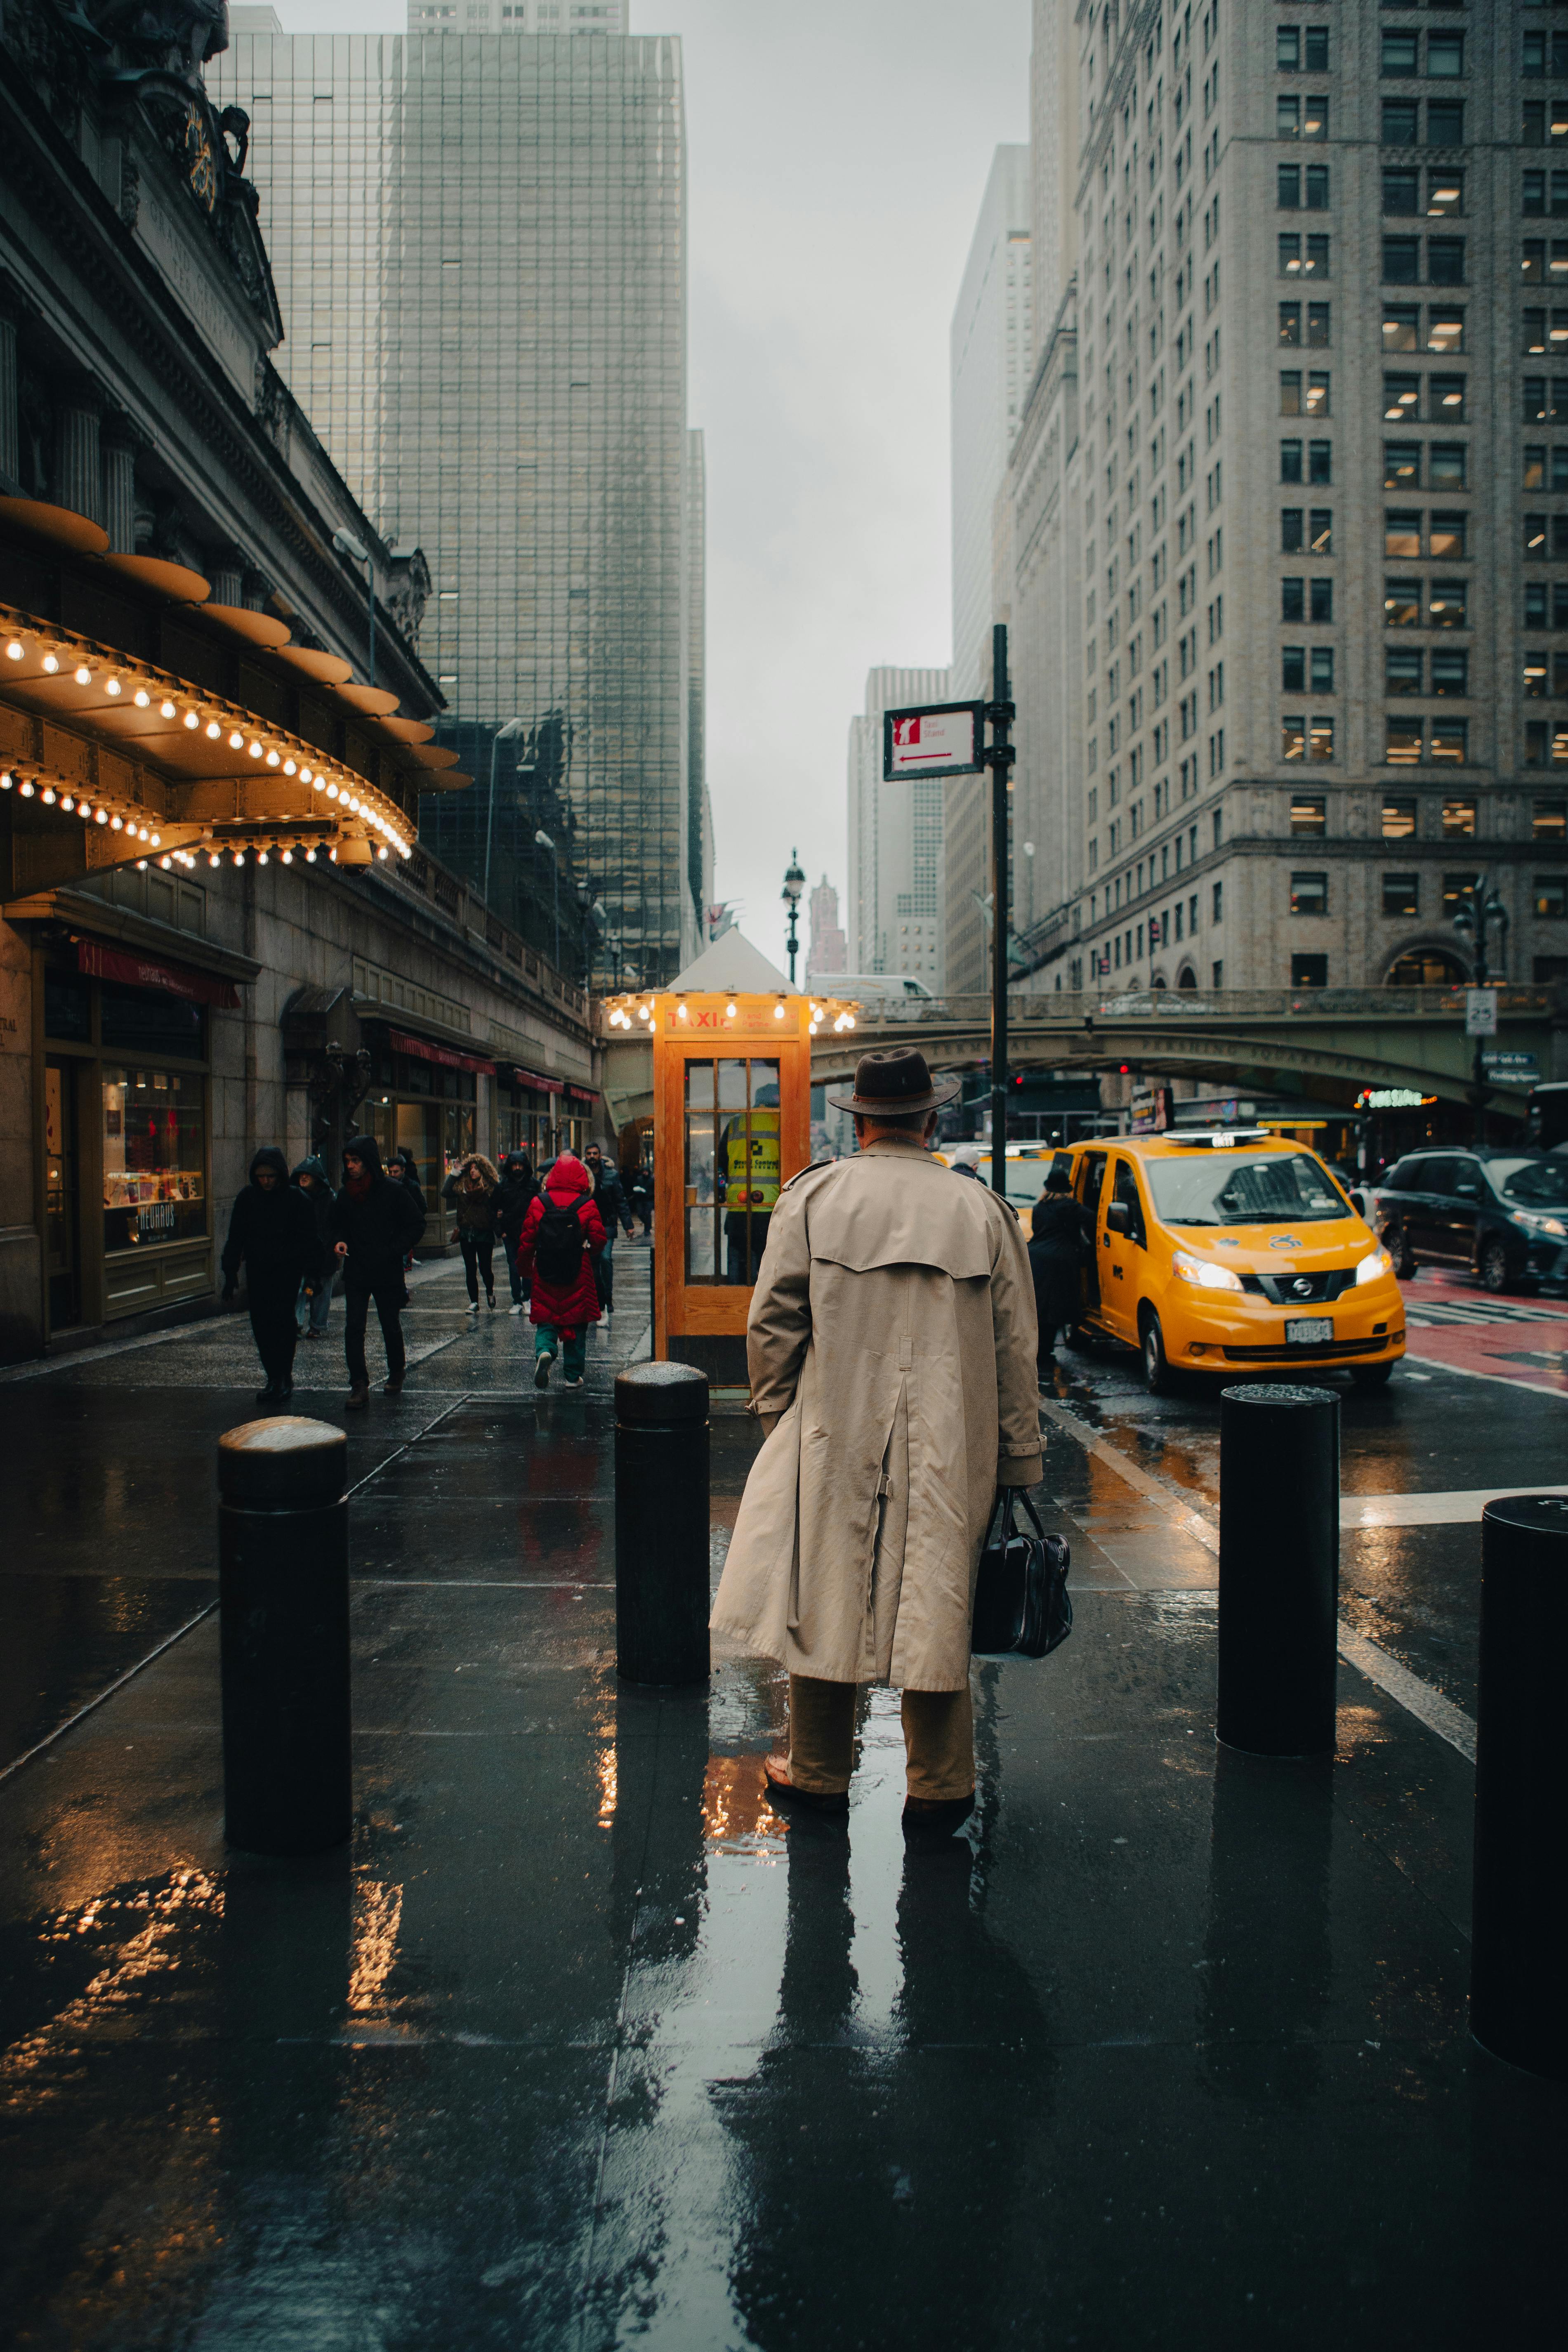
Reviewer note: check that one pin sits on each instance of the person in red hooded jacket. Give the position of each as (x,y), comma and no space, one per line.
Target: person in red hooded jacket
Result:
(561,1235)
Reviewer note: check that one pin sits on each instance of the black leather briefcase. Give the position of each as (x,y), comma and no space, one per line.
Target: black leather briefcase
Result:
(1021,1604)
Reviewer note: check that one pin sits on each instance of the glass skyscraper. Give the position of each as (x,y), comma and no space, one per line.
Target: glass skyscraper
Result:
(479,244)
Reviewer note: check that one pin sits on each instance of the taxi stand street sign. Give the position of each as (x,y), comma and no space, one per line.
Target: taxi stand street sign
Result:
(1480,1012)
(939,738)
(948,739)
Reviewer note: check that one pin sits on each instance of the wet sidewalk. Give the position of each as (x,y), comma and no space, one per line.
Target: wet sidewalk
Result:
(577,2045)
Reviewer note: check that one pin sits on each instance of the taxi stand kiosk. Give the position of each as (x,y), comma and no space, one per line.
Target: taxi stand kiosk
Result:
(732,1124)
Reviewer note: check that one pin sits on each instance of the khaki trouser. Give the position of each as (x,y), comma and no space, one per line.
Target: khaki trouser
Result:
(939,1739)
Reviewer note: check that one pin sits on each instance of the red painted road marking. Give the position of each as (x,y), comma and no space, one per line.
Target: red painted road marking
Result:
(1451,1320)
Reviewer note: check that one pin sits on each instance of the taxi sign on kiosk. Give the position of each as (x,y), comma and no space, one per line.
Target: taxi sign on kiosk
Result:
(732,1124)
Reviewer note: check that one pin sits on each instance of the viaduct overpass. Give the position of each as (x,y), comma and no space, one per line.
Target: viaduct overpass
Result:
(1262,1040)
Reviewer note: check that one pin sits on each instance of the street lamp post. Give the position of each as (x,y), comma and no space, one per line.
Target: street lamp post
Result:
(794,884)
(1481,911)
(347,544)
(544,842)
(514,727)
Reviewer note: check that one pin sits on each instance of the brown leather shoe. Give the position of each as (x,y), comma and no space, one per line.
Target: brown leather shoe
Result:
(392,1384)
(357,1398)
(783,1792)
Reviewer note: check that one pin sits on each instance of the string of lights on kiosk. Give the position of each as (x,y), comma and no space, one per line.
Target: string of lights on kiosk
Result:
(344,794)
(628,1012)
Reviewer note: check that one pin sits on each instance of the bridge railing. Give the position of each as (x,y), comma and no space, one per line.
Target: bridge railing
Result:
(1178,1005)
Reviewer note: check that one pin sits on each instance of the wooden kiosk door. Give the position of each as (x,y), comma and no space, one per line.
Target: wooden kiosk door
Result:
(732,1125)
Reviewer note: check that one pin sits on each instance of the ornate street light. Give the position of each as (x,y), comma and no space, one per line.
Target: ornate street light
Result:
(794,884)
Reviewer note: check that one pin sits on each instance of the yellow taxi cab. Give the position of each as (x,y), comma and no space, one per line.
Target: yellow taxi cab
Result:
(1232,1250)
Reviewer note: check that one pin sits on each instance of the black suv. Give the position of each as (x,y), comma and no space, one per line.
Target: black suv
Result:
(1503,1214)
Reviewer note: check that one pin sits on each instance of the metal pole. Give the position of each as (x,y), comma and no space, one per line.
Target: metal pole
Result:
(370,584)
(555,869)
(490,815)
(1518,1963)
(662,1524)
(1279,1569)
(999,758)
(283,1614)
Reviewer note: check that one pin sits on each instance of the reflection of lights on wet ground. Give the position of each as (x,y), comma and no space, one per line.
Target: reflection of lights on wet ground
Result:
(378,1914)
(607,1787)
(186,1899)
(735,1808)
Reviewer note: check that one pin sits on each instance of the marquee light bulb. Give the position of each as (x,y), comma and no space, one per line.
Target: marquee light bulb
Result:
(240,856)
(236,740)
(157,840)
(14,650)
(193,722)
(47,795)
(213,857)
(287,856)
(101,816)
(255,751)
(272,760)
(309,857)
(165,863)
(142,699)
(27,789)
(288,767)
(50,664)
(778,1013)
(165,710)
(117,823)
(112,686)
(65,801)
(260,857)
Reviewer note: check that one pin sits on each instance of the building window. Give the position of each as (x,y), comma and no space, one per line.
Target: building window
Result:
(1322,669)
(1292,533)
(1402,531)
(1445,122)
(1290,457)
(1401,326)
(1398,818)
(1290,405)
(1294,737)
(1320,740)
(1457,888)
(1309,815)
(155,1149)
(1449,464)
(1535,677)
(1545,740)
(1451,673)
(1309,893)
(1551,897)
(1460,820)
(1446,261)
(1401,123)
(1447,604)
(1401,260)
(1401,189)
(1444,56)
(1291,326)
(1218,914)
(1447,536)
(1401,894)
(1550,821)
(1402,464)
(1401,53)
(1321,532)
(1445,194)
(1401,399)
(1320,461)
(1293,674)
(1402,604)
(1449,740)
(1402,742)
(1309,970)
(1404,673)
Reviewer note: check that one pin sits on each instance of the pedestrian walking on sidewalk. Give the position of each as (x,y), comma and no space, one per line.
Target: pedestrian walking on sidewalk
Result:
(374,1223)
(404,1170)
(611,1202)
(470,1193)
(517,1189)
(891,1350)
(636,1183)
(272,1232)
(314,1304)
(1059,1231)
(561,1233)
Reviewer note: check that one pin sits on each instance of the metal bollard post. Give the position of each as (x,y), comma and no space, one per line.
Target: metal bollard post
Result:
(1518,1952)
(1279,1569)
(662,1524)
(283,1596)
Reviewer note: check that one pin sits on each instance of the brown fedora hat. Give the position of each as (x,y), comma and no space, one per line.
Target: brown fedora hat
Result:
(895,1084)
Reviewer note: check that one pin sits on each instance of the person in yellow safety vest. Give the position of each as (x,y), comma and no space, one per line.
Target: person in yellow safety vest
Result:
(749,1184)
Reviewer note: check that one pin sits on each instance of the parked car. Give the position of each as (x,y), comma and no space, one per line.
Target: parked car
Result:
(1230,1250)
(1503,1214)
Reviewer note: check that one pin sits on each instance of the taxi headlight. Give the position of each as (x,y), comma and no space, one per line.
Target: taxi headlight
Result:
(1203,1270)
(1373,1267)
(1542,1223)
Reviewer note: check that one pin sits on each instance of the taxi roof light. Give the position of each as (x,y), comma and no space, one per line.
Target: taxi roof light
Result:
(1219,1139)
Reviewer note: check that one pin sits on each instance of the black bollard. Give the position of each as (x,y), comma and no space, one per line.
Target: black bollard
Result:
(283,1588)
(1279,1569)
(1518,1952)
(662,1524)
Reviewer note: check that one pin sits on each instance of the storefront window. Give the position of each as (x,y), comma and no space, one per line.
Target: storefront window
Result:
(458,1140)
(153,1127)
(146,1021)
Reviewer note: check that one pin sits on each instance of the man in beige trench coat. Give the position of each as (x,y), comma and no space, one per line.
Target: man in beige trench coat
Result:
(891,1351)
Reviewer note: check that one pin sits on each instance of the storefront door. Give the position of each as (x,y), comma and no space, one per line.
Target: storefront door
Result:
(61,1200)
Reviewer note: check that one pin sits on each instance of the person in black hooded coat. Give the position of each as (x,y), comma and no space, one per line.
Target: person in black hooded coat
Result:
(1060,1239)
(373,1221)
(272,1231)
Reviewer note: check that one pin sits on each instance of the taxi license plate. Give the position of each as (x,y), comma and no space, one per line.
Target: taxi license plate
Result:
(1306,1330)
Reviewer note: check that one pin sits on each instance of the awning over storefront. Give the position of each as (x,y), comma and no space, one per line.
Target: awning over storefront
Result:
(582,1094)
(542,1084)
(146,972)
(422,1051)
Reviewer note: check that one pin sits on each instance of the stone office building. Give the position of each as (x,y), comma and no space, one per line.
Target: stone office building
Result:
(217,926)
(1280,537)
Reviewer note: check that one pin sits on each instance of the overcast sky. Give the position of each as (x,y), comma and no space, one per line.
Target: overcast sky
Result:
(839,151)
